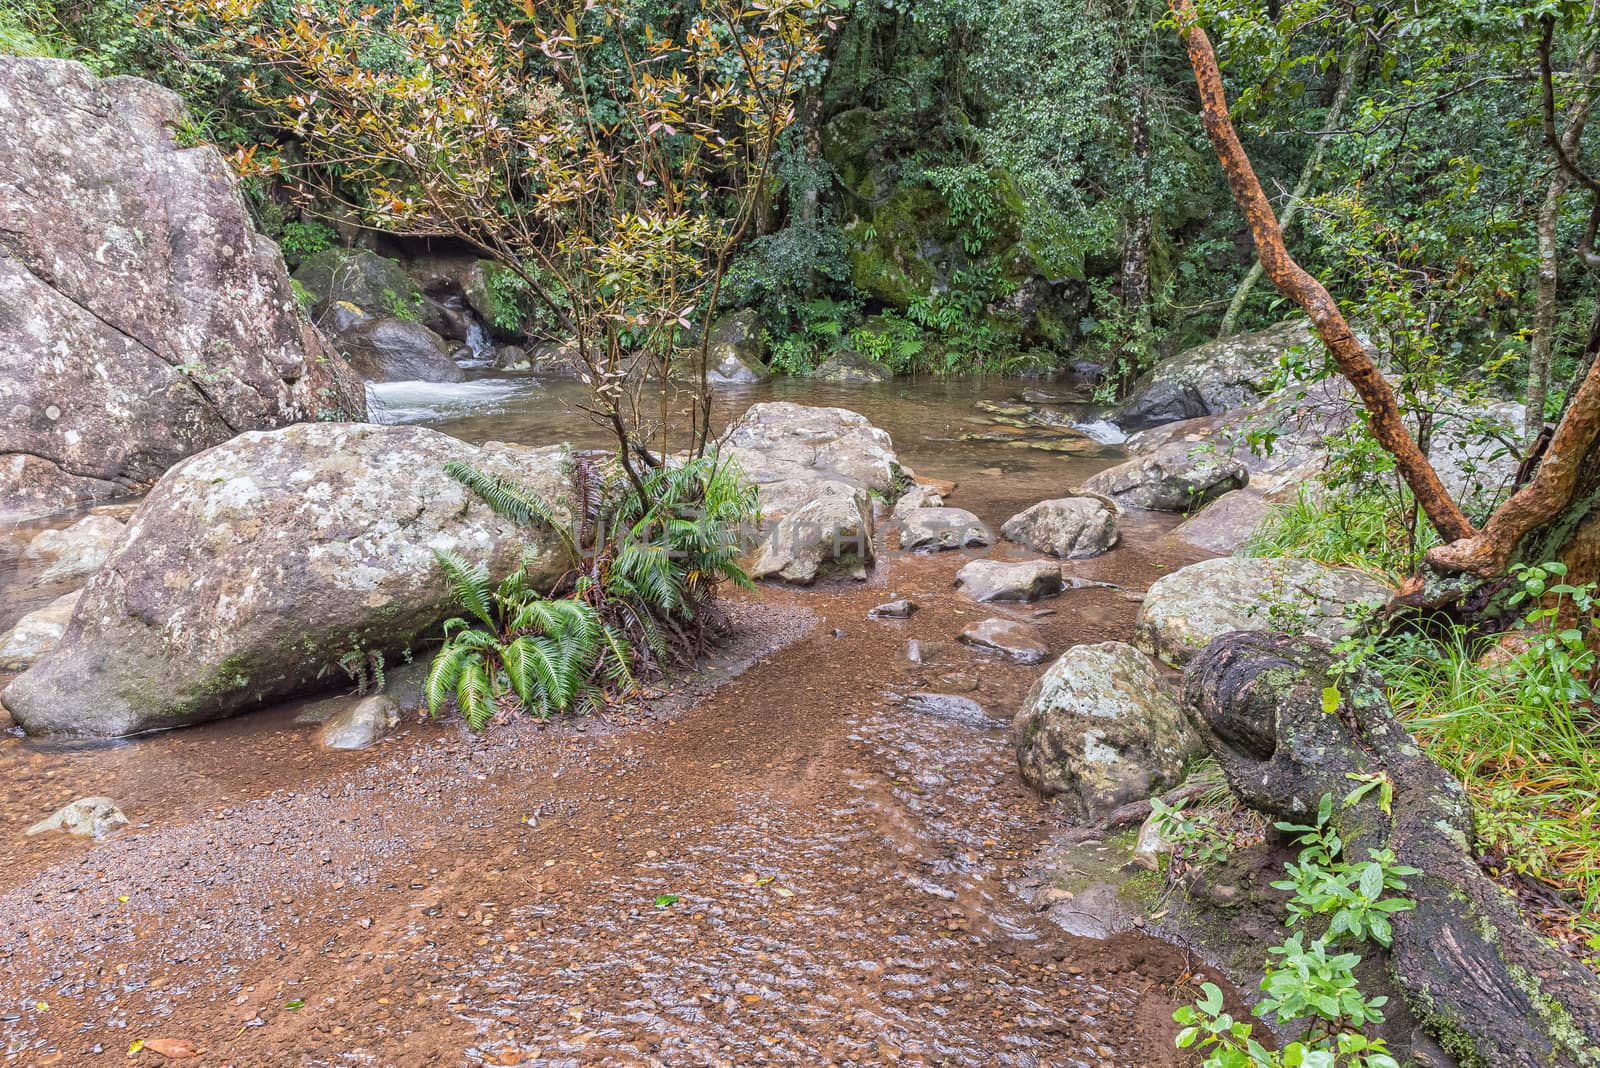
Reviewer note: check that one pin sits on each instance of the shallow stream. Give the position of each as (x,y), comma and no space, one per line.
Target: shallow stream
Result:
(785,864)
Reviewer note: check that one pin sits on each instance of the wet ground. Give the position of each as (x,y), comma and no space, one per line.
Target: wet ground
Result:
(785,864)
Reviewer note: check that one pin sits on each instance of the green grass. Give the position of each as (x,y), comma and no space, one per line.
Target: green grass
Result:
(1351,530)
(1525,751)
(1529,764)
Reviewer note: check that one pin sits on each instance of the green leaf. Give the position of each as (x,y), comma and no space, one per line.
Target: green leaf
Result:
(1330,699)
(664,901)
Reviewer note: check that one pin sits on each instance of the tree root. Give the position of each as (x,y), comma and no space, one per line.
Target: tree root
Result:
(1489,988)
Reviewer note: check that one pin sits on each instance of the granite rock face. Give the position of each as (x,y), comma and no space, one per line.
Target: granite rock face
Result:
(142,318)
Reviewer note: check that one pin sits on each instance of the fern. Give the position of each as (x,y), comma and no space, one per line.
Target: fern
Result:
(470,582)
(519,504)
(639,592)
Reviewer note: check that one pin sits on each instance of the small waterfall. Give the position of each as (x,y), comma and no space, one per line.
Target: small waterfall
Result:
(474,333)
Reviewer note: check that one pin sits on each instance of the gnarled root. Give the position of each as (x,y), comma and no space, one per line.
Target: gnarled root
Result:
(1489,988)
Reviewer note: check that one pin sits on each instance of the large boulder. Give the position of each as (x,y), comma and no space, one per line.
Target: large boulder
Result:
(1183,611)
(1101,728)
(1174,478)
(815,470)
(399,350)
(1068,527)
(736,349)
(834,528)
(376,284)
(1214,377)
(780,439)
(254,567)
(142,318)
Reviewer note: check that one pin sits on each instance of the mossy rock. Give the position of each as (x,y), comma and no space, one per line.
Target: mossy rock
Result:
(849,144)
(502,317)
(376,284)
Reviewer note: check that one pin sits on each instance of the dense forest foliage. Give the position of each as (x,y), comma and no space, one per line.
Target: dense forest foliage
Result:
(1025,184)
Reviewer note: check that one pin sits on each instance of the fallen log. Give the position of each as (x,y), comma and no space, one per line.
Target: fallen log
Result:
(1490,989)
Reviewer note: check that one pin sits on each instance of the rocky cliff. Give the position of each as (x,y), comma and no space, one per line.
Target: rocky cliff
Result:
(142,318)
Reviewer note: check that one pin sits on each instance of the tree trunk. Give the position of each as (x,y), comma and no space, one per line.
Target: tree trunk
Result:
(1292,280)
(1348,71)
(1544,308)
(1549,277)
(1489,988)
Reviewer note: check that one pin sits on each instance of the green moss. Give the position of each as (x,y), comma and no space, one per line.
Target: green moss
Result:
(887,257)
(1558,1022)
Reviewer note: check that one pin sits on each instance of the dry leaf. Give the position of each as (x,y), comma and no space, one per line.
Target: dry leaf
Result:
(176,1048)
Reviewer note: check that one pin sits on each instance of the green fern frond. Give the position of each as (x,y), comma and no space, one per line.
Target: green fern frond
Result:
(470,582)
(475,695)
(443,675)
(517,503)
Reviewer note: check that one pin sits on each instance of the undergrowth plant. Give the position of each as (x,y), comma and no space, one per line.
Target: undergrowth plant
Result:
(636,592)
(1314,981)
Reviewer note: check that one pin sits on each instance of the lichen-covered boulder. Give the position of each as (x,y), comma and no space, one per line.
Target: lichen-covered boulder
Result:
(780,439)
(254,567)
(1101,728)
(37,633)
(937,528)
(1068,527)
(376,284)
(815,470)
(1214,377)
(833,529)
(736,349)
(142,318)
(1174,478)
(1183,611)
(399,350)
(1004,580)
(70,554)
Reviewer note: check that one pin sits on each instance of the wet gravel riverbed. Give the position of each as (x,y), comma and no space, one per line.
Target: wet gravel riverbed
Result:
(788,862)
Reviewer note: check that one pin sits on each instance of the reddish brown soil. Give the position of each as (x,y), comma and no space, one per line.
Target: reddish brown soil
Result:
(838,863)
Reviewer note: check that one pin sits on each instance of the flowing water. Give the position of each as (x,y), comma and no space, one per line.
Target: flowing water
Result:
(786,863)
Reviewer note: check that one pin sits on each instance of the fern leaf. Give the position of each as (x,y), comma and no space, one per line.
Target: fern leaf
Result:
(475,695)
(517,503)
(470,582)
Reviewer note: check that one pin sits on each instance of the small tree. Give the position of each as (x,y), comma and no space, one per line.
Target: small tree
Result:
(1553,515)
(610,166)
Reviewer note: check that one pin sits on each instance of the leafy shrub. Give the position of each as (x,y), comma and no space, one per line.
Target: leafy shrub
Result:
(301,239)
(642,569)
(1313,981)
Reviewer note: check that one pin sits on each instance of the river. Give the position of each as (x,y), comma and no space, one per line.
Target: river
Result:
(782,864)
